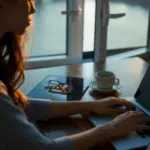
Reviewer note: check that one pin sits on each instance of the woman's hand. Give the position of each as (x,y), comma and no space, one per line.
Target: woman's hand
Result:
(110,106)
(120,126)
(128,122)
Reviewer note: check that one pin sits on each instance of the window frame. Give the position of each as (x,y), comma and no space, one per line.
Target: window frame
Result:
(74,42)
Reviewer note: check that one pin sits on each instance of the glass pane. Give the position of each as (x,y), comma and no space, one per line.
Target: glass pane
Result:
(49,36)
(130,30)
(89,25)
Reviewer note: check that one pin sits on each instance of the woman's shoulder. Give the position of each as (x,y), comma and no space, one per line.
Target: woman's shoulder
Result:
(3,88)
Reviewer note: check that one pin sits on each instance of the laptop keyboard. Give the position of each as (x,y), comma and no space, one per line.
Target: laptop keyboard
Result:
(138,109)
(143,134)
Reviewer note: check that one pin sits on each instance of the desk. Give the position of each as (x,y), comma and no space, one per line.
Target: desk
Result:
(129,71)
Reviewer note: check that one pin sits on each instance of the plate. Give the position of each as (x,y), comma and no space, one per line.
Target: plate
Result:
(93,85)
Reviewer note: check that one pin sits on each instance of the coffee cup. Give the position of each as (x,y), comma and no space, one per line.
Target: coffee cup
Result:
(106,79)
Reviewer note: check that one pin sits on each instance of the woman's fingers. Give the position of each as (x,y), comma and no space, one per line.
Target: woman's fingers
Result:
(122,104)
(143,127)
(116,111)
(139,115)
(143,119)
(126,103)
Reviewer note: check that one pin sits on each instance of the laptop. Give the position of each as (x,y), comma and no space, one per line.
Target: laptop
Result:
(141,101)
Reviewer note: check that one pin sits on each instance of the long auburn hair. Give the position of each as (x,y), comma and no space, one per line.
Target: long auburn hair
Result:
(12,65)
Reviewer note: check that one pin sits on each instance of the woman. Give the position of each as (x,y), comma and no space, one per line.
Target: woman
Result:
(16,130)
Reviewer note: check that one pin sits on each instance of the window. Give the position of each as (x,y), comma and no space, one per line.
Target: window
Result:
(66,30)
(131,30)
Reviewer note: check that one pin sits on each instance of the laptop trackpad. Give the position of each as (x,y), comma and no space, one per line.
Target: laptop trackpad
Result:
(133,140)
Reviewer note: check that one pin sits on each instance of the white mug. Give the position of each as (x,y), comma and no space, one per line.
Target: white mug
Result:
(106,79)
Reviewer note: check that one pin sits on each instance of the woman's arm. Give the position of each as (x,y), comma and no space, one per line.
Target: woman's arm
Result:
(42,109)
(18,133)
(96,136)
(63,109)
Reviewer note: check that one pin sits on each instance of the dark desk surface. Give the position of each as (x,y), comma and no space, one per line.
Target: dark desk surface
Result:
(129,71)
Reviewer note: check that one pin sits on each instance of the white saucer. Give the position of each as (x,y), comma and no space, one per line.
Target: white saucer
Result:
(93,85)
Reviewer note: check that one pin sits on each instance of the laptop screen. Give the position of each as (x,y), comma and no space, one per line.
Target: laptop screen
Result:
(142,94)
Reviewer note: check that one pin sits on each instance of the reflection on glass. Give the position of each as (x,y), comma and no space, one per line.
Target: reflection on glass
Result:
(78,86)
(50,28)
(131,30)
(126,32)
